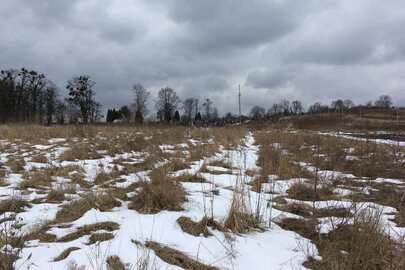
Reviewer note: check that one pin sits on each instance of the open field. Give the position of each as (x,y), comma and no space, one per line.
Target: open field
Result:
(121,197)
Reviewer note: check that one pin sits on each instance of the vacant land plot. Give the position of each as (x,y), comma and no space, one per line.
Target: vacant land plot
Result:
(219,198)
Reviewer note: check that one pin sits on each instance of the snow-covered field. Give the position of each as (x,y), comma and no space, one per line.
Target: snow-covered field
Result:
(32,171)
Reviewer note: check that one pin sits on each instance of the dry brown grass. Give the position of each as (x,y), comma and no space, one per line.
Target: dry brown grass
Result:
(3,182)
(194,228)
(365,244)
(39,158)
(229,137)
(41,178)
(160,193)
(188,177)
(80,151)
(178,164)
(104,201)
(221,163)
(100,237)
(88,229)
(40,232)
(330,153)
(12,242)
(16,164)
(78,178)
(304,210)
(102,177)
(307,192)
(176,257)
(65,171)
(274,161)
(200,151)
(239,219)
(55,196)
(115,263)
(65,254)
(13,204)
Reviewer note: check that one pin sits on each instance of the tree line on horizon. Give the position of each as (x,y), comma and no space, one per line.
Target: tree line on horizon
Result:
(287,108)
(27,96)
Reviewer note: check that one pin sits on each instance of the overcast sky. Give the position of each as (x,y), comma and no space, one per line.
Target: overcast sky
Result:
(312,50)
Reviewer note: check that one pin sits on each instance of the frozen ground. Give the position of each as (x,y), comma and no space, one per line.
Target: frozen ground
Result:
(273,248)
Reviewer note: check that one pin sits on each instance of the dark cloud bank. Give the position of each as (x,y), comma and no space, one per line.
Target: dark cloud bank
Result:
(314,50)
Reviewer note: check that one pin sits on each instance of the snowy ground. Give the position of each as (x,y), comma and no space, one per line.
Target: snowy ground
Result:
(225,170)
(273,248)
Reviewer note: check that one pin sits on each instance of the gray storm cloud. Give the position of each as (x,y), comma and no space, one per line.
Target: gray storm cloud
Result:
(308,50)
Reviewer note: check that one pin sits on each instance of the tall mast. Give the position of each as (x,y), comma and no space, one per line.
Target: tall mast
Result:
(240,109)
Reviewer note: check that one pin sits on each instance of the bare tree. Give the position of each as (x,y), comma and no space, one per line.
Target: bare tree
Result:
(50,104)
(296,107)
(338,105)
(81,94)
(257,112)
(141,96)
(383,101)
(208,106)
(190,107)
(285,104)
(167,103)
(275,109)
(348,103)
(60,112)
(22,95)
(317,107)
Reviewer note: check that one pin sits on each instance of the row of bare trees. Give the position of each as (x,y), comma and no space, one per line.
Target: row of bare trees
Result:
(287,108)
(169,108)
(28,96)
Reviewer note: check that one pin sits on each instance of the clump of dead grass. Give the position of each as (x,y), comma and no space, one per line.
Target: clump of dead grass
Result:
(39,158)
(79,179)
(160,193)
(115,263)
(362,245)
(304,227)
(16,164)
(65,254)
(3,182)
(188,177)
(102,177)
(100,237)
(55,196)
(178,164)
(307,192)
(239,219)
(176,257)
(41,178)
(14,204)
(221,163)
(12,242)
(80,151)
(88,229)
(194,228)
(73,210)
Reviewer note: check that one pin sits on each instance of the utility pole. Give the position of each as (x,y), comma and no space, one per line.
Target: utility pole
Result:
(240,109)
